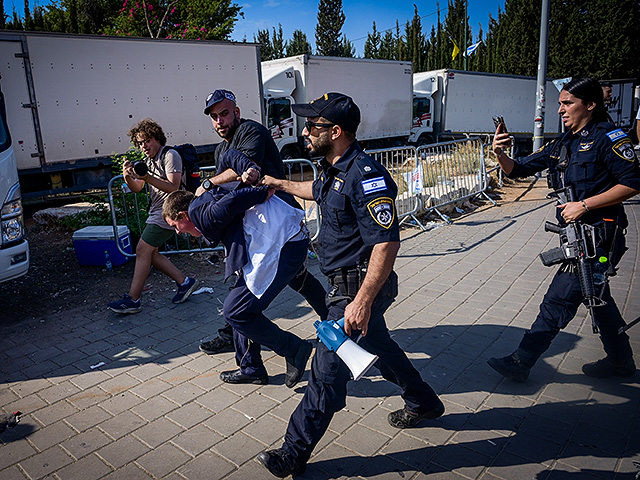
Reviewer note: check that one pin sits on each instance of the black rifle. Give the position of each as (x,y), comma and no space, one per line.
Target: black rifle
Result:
(577,245)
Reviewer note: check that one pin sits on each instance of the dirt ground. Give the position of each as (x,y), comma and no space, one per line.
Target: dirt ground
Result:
(56,281)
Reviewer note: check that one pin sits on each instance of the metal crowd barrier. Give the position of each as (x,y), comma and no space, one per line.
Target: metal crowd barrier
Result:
(125,207)
(402,164)
(127,212)
(452,172)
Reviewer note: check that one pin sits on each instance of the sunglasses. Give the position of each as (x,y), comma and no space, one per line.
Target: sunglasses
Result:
(309,124)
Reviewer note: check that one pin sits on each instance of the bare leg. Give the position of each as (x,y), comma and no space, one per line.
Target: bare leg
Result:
(146,255)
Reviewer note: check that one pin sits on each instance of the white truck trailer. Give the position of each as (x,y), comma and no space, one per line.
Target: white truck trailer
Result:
(451,104)
(71,99)
(381,88)
(14,249)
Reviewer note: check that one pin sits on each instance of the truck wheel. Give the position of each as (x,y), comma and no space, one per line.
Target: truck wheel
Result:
(424,140)
(291,151)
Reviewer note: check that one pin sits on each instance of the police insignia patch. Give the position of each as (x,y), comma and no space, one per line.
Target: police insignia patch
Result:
(624,150)
(338,183)
(383,211)
(586,146)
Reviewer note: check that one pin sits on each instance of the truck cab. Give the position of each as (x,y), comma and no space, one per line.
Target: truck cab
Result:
(278,86)
(423,118)
(14,249)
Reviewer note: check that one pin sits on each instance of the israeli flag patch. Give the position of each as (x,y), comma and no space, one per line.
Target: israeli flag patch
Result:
(616,134)
(373,185)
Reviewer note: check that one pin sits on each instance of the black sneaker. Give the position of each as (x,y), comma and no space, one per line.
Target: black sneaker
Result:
(405,418)
(510,367)
(184,291)
(125,305)
(217,345)
(296,366)
(280,463)
(605,367)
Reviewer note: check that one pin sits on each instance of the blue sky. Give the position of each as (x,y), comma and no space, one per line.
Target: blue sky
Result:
(360,15)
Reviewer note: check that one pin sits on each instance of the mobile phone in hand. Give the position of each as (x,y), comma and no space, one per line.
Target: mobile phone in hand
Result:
(497,121)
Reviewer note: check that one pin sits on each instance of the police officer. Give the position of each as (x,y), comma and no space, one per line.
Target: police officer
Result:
(598,162)
(358,243)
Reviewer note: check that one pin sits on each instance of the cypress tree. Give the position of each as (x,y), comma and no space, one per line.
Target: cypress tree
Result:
(299,45)
(330,21)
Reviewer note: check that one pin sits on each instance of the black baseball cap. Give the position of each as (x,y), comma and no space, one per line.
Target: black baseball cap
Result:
(335,107)
(216,97)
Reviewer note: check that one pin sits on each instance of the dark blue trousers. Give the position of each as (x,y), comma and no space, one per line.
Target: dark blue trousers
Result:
(251,329)
(558,308)
(326,392)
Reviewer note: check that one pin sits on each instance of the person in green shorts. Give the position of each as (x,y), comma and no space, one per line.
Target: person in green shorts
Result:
(164,176)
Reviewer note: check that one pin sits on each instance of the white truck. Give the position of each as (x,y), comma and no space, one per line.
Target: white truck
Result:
(71,99)
(450,104)
(381,88)
(14,249)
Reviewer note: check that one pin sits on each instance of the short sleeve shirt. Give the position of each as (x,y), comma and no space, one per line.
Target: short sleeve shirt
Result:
(356,196)
(160,167)
(255,141)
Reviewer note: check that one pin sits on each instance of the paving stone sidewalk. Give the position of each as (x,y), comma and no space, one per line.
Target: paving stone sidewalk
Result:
(110,397)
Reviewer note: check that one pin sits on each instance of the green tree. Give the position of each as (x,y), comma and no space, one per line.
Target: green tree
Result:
(346,48)
(298,45)
(277,43)
(415,42)
(388,46)
(264,39)
(330,21)
(456,25)
(372,44)
(189,19)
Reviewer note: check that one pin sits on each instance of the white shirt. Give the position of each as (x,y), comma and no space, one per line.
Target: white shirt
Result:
(267,227)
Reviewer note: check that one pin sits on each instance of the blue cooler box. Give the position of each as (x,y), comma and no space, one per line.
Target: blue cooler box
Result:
(90,243)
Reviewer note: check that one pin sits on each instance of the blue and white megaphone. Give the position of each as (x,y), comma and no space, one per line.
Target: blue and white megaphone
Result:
(331,333)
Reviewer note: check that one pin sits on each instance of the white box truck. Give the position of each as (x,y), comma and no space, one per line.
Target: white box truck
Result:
(381,88)
(71,99)
(451,104)
(14,249)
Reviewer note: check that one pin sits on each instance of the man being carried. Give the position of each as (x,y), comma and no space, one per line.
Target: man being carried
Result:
(265,246)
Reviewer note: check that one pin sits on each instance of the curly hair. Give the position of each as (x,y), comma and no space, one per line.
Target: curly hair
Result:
(148,129)
(176,203)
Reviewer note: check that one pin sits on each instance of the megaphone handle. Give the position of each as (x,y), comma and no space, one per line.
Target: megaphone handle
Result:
(341,324)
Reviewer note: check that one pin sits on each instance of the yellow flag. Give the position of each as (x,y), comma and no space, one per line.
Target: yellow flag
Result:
(455,52)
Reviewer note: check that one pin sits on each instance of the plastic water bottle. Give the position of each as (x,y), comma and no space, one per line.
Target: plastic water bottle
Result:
(107,261)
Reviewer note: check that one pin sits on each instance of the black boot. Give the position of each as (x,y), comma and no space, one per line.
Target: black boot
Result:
(607,367)
(510,367)
(280,463)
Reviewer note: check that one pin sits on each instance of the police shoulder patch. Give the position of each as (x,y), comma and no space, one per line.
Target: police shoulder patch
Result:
(383,211)
(624,150)
(616,134)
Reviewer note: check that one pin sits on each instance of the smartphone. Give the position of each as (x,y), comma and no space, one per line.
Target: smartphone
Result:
(497,121)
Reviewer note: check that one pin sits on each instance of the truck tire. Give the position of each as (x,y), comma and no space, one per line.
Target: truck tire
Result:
(291,151)
(424,140)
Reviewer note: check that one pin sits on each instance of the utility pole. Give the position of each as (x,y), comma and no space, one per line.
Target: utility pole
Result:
(464,50)
(538,125)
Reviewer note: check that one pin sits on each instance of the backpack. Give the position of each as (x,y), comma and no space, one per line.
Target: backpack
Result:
(190,168)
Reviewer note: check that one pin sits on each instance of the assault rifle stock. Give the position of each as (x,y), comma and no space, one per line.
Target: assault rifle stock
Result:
(578,245)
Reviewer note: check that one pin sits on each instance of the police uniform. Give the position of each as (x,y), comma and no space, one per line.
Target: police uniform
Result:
(590,161)
(356,197)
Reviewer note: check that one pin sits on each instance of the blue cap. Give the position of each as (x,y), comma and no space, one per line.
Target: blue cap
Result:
(216,97)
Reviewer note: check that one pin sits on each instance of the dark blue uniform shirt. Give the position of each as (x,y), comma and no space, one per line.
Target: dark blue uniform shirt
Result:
(600,156)
(357,201)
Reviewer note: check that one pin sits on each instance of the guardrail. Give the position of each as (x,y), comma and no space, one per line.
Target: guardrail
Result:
(406,171)
(453,171)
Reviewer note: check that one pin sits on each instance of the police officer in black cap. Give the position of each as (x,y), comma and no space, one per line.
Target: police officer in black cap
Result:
(358,243)
(596,160)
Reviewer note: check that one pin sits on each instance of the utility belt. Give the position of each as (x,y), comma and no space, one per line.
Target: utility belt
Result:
(346,281)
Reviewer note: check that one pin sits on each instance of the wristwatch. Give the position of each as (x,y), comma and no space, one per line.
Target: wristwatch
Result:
(207,185)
